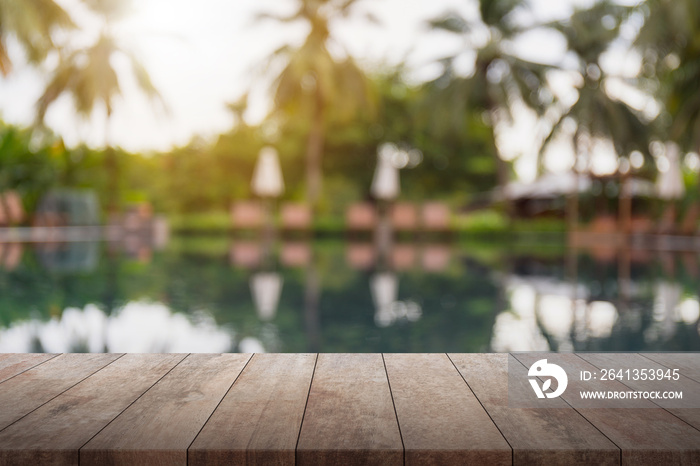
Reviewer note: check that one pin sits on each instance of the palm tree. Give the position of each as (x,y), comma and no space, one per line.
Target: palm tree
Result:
(31,23)
(670,42)
(314,81)
(89,77)
(500,78)
(598,116)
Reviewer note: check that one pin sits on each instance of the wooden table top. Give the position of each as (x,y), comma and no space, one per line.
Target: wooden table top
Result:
(338,409)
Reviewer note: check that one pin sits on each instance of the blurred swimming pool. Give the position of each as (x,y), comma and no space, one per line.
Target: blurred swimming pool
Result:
(227,295)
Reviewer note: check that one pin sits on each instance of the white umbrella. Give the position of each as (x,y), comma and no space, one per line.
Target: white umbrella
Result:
(266,288)
(384,287)
(267,177)
(667,298)
(669,184)
(385,184)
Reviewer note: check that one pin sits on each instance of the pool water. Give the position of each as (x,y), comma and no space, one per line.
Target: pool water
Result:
(218,294)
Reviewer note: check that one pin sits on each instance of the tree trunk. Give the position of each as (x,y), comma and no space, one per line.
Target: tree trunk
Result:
(502,169)
(502,176)
(572,212)
(112,171)
(314,153)
(625,207)
(572,209)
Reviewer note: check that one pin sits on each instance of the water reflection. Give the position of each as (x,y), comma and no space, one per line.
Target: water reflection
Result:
(138,327)
(388,309)
(10,255)
(68,257)
(266,288)
(549,313)
(218,295)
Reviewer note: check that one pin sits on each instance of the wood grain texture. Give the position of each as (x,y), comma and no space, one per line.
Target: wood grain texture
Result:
(557,435)
(686,409)
(15,363)
(27,391)
(160,426)
(343,408)
(646,433)
(441,420)
(258,421)
(350,416)
(54,433)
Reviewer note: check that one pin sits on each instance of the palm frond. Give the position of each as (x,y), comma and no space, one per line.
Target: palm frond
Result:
(111,9)
(143,79)
(32,23)
(267,16)
(5,63)
(498,13)
(58,84)
(451,22)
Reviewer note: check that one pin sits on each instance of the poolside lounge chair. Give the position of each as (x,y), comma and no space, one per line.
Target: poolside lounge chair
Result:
(247,215)
(403,256)
(13,255)
(404,216)
(245,254)
(295,254)
(361,217)
(296,216)
(13,207)
(436,257)
(360,255)
(435,216)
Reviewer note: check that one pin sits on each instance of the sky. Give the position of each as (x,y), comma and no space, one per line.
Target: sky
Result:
(202,55)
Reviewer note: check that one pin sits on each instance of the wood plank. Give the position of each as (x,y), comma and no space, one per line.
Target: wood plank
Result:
(350,416)
(557,435)
(258,421)
(41,437)
(646,433)
(441,420)
(160,426)
(27,391)
(12,364)
(687,363)
(686,409)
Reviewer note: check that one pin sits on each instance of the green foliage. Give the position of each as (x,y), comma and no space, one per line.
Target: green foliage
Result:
(207,222)
(28,172)
(598,115)
(672,66)
(327,105)
(500,79)
(485,221)
(314,82)
(194,275)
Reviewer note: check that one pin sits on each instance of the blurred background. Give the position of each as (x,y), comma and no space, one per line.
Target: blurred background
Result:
(349,175)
